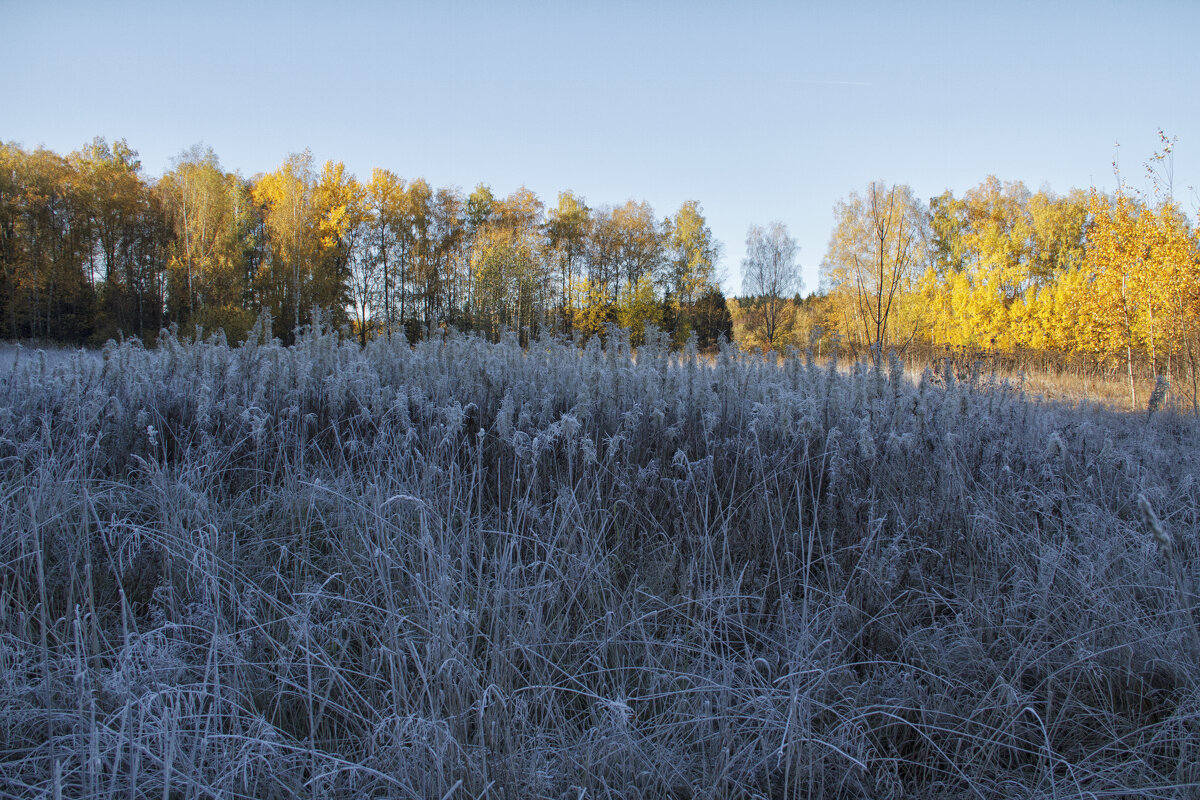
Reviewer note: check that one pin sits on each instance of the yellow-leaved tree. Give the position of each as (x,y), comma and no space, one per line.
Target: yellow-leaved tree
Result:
(339,204)
(1177,248)
(374,285)
(292,239)
(210,212)
(508,267)
(567,230)
(878,249)
(690,256)
(638,307)
(1127,292)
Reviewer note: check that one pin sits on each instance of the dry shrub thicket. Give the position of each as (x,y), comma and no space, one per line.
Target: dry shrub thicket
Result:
(463,569)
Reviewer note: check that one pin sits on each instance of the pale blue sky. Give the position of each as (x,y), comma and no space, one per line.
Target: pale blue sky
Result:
(760,111)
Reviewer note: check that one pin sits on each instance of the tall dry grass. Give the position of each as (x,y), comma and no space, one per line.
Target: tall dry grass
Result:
(468,570)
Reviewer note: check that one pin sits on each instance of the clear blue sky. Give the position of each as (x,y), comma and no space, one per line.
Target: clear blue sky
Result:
(760,111)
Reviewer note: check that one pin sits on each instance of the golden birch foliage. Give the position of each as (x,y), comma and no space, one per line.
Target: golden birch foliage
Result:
(876,255)
(1057,227)
(567,229)
(1046,322)
(1129,266)
(206,267)
(377,282)
(416,248)
(1128,302)
(637,306)
(339,205)
(639,243)
(520,215)
(691,254)
(999,233)
(1151,325)
(603,254)
(109,185)
(998,236)
(932,290)
(1174,250)
(1185,299)
(339,202)
(490,273)
(947,224)
(441,284)
(837,315)
(962,328)
(46,238)
(293,240)
(995,254)
(508,266)
(131,231)
(1142,268)
(1106,302)
(597,311)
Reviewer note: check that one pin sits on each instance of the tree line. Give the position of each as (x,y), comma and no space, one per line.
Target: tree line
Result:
(1110,280)
(91,249)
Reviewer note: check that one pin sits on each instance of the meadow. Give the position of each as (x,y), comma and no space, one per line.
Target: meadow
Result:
(462,569)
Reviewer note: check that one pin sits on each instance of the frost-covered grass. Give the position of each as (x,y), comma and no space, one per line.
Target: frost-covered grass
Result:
(465,570)
(45,355)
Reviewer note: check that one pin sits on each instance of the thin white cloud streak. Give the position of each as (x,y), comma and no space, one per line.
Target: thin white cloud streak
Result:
(831,83)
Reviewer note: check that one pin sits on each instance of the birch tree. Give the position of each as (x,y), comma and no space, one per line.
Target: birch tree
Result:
(769,275)
(875,254)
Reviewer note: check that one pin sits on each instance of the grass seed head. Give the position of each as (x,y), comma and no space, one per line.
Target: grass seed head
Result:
(1151,521)
(1056,448)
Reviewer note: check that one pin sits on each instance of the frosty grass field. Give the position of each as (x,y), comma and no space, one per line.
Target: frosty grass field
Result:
(462,569)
